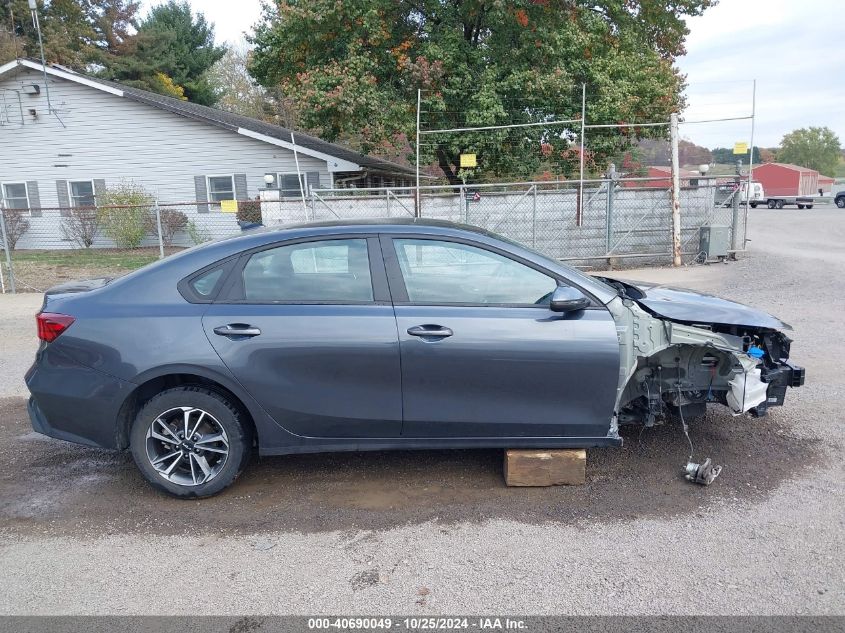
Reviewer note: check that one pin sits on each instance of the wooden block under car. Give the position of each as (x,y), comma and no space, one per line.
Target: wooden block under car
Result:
(545,467)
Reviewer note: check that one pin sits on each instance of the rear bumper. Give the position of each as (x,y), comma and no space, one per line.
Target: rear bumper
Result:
(73,402)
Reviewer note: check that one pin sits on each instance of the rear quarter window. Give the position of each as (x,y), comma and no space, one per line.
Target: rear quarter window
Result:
(205,284)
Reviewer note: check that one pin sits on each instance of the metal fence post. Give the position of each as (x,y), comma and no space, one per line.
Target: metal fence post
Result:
(160,236)
(608,234)
(387,200)
(7,249)
(676,191)
(534,217)
(735,208)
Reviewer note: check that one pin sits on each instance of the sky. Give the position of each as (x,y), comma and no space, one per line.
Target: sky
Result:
(793,49)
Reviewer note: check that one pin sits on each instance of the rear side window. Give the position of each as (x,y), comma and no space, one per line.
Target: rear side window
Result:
(326,270)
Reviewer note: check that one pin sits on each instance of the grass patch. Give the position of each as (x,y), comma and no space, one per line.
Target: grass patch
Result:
(37,270)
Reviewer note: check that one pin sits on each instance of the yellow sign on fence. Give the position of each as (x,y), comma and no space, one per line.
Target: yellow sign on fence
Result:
(740,148)
(229,206)
(468,160)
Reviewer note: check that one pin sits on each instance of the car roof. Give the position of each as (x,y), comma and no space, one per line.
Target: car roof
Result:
(403,223)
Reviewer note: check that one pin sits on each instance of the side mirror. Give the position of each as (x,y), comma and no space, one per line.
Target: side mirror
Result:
(568,299)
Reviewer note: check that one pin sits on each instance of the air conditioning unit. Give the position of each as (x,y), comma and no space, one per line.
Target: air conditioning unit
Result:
(714,241)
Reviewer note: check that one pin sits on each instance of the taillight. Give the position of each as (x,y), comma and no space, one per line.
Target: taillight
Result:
(51,325)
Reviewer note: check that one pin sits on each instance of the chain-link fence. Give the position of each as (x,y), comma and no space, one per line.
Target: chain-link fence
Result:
(48,246)
(597,223)
(593,224)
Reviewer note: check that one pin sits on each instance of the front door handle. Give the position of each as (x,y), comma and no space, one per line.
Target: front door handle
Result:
(430,331)
(237,330)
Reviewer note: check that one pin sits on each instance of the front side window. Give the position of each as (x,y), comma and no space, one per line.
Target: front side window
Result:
(81,193)
(438,272)
(322,271)
(221,188)
(15,195)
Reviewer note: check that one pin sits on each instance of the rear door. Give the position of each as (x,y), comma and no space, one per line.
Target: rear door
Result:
(482,353)
(308,329)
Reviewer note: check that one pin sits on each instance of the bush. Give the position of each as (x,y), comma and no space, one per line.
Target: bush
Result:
(81,226)
(172,222)
(125,213)
(16,226)
(249,211)
(197,234)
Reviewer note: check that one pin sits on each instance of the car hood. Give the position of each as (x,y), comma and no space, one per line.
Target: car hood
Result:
(680,304)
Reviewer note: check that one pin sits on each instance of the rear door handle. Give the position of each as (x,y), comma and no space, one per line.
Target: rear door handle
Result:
(237,330)
(432,331)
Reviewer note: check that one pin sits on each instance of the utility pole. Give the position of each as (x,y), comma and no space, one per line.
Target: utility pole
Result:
(676,191)
(417,212)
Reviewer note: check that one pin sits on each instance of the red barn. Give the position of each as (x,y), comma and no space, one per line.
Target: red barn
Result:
(825,183)
(662,178)
(782,179)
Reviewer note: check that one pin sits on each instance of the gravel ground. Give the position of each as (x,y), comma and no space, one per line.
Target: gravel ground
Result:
(437,532)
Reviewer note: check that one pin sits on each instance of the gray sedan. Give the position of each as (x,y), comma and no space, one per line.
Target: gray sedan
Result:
(381,335)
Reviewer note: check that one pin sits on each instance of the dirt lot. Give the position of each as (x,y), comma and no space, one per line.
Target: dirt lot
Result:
(437,532)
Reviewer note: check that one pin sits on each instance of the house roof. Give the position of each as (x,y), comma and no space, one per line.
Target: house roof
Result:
(787,166)
(339,158)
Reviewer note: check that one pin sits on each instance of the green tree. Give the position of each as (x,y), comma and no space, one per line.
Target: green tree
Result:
(353,68)
(170,42)
(814,147)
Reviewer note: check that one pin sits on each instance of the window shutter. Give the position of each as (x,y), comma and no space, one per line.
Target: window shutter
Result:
(240,187)
(99,189)
(34,198)
(63,196)
(201,193)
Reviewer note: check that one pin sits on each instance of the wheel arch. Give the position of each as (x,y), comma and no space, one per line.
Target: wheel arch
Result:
(151,383)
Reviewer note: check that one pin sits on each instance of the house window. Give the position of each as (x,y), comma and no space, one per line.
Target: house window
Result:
(15,195)
(289,183)
(221,188)
(81,193)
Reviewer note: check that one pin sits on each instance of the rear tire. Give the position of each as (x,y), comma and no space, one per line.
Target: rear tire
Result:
(771,204)
(779,204)
(190,442)
(809,206)
(800,206)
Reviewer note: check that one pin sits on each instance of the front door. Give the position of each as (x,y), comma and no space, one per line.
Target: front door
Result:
(482,353)
(308,330)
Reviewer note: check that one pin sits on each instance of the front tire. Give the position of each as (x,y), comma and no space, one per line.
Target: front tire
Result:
(190,442)
(840,202)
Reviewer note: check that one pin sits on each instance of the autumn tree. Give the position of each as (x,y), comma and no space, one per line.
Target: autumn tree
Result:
(353,68)
(814,147)
(66,28)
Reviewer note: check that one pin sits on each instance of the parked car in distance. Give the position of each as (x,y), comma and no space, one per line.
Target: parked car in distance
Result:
(383,334)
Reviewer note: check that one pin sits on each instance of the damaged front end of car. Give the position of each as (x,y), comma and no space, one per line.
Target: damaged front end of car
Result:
(673,367)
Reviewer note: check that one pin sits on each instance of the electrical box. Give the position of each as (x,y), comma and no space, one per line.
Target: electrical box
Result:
(714,241)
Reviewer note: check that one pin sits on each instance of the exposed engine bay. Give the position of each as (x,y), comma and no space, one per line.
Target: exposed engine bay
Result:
(670,367)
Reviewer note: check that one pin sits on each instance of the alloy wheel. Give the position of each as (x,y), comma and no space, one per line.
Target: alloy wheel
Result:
(187,446)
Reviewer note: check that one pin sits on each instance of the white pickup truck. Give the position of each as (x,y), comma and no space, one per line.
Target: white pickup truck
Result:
(758,197)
